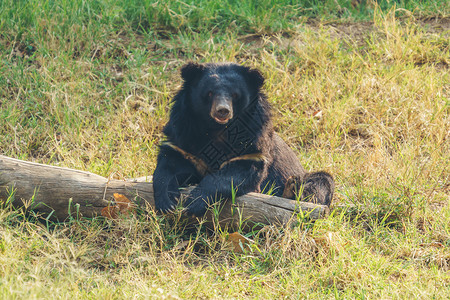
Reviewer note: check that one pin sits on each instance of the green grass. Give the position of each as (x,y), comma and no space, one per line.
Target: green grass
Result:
(87,85)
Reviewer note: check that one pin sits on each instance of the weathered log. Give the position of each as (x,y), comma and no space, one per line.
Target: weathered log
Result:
(62,192)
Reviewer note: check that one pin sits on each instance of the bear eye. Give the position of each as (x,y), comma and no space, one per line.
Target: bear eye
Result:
(234,95)
(209,94)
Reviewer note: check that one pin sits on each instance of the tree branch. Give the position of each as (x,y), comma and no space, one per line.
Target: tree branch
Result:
(50,189)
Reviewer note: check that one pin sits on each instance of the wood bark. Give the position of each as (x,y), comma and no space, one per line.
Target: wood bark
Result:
(61,192)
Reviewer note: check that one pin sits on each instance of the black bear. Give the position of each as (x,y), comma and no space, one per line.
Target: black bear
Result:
(220,137)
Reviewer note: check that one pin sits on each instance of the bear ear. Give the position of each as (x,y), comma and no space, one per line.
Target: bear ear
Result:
(255,77)
(191,71)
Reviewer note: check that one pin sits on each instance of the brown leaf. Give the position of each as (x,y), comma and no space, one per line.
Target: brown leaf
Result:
(239,242)
(182,245)
(123,203)
(317,114)
(433,244)
(110,212)
(123,206)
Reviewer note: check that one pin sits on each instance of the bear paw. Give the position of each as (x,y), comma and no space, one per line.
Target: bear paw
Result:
(197,208)
(292,187)
(166,206)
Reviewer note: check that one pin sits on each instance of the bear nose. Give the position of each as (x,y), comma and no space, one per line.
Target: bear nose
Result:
(222,112)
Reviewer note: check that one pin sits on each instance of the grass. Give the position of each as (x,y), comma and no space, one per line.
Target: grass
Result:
(87,85)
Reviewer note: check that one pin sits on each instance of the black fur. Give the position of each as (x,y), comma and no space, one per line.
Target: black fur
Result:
(197,128)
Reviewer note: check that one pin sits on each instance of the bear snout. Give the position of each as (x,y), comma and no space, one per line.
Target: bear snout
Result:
(222,110)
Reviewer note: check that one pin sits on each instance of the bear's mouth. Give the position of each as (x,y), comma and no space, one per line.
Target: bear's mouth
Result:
(222,110)
(221,120)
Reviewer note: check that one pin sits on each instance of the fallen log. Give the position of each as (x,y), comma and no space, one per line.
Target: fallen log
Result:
(62,192)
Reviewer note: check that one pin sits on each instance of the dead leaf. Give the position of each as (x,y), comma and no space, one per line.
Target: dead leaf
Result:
(122,206)
(433,244)
(239,242)
(123,203)
(110,212)
(182,245)
(317,114)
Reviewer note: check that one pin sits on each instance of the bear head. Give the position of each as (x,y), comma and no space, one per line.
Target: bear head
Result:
(216,93)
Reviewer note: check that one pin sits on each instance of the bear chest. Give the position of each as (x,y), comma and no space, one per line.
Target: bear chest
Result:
(235,140)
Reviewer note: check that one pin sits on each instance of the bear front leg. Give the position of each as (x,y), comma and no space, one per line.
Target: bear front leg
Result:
(166,192)
(167,189)
(317,187)
(242,176)
(171,173)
